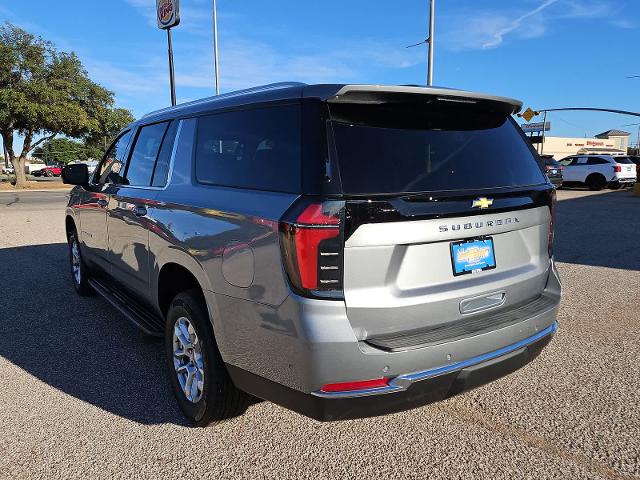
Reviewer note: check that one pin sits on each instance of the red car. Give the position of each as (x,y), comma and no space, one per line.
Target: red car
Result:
(48,171)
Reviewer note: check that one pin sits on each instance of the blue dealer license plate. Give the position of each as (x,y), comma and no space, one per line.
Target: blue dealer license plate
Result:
(474,255)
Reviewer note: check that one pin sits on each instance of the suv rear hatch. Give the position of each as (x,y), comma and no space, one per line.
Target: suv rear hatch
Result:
(624,168)
(448,212)
(434,214)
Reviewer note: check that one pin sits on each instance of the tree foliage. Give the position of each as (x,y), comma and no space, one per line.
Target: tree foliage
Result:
(61,150)
(109,122)
(45,92)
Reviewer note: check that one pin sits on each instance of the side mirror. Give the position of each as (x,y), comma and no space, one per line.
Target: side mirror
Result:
(76,174)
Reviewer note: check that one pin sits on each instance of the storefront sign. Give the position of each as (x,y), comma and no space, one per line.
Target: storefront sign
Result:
(167,13)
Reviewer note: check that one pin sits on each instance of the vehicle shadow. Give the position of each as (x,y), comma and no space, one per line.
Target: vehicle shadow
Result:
(598,229)
(81,346)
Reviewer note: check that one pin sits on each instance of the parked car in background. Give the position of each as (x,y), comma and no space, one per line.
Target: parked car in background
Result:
(7,170)
(598,171)
(635,159)
(48,171)
(553,169)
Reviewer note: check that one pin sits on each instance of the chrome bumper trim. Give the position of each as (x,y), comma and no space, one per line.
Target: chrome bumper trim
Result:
(402,382)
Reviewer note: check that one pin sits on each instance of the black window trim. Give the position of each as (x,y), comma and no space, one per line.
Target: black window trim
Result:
(171,155)
(132,145)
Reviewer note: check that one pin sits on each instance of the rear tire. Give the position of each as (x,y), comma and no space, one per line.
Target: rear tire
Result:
(615,186)
(596,182)
(200,381)
(79,269)
(49,173)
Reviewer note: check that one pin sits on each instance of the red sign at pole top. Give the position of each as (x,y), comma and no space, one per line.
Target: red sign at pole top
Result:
(167,13)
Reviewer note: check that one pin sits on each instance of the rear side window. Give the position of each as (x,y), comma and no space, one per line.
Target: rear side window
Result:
(144,154)
(257,149)
(408,148)
(596,161)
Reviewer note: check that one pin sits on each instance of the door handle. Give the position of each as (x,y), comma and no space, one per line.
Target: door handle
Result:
(139,210)
(102,202)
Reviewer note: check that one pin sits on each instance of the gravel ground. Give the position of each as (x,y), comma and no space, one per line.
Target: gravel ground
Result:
(83,394)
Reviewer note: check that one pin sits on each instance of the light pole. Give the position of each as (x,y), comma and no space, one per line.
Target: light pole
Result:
(430,42)
(215,46)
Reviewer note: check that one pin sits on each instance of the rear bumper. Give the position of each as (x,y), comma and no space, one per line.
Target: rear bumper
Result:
(405,391)
(290,367)
(623,181)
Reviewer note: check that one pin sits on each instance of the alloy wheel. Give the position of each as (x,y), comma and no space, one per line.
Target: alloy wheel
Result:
(187,359)
(75,261)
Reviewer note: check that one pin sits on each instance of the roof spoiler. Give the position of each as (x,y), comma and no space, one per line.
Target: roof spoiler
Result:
(378,94)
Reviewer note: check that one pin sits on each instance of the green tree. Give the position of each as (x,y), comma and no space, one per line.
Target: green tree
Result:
(109,123)
(62,150)
(43,93)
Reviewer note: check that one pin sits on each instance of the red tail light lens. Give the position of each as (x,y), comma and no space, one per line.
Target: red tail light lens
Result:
(351,386)
(552,221)
(312,246)
(617,168)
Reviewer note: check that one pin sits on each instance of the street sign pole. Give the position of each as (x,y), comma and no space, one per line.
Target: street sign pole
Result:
(215,46)
(544,122)
(172,80)
(168,16)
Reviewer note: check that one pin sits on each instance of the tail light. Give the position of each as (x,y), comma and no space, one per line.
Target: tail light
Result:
(311,240)
(552,221)
(617,168)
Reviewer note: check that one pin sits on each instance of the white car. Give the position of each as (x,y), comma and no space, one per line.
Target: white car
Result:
(598,171)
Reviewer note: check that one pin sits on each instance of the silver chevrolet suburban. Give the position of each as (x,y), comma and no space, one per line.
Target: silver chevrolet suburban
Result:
(341,250)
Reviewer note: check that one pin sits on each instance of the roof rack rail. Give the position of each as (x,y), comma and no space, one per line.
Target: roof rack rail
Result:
(236,93)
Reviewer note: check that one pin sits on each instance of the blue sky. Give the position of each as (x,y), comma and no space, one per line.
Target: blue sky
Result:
(548,53)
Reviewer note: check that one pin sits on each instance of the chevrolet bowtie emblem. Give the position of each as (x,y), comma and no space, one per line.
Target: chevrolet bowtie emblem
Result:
(482,202)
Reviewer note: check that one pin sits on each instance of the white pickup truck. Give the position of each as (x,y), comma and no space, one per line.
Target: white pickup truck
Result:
(598,171)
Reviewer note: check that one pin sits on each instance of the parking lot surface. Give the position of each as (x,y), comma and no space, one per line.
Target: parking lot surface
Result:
(84,395)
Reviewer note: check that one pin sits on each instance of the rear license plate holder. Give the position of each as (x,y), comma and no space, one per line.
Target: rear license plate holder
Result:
(472,255)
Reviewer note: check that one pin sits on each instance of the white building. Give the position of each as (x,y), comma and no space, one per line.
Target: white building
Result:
(611,142)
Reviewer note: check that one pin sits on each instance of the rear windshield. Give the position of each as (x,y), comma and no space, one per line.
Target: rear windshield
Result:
(384,149)
(622,160)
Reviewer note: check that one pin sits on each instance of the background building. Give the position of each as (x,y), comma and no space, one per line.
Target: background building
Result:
(611,142)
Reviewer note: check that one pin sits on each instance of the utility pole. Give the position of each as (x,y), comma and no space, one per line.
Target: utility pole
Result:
(430,42)
(215,46)
(544,125)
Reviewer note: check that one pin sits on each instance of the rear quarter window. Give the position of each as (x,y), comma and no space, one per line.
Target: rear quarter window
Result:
(258,149)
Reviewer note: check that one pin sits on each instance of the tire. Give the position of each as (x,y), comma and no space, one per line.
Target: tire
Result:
(49,173)
(216,398)
(596,182)
(615,186)
(78,267)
